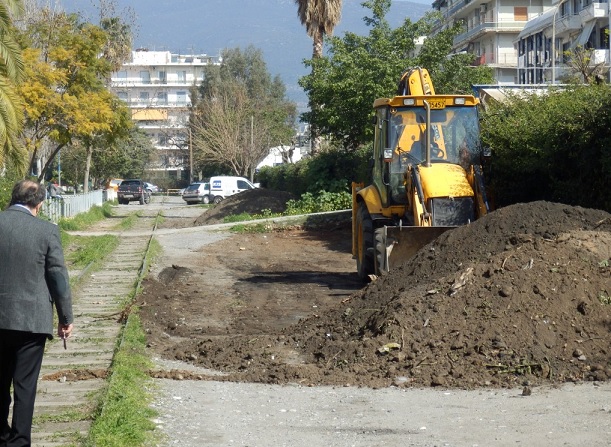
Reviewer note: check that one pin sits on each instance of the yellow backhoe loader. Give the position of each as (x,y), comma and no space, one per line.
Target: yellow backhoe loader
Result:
(426,176)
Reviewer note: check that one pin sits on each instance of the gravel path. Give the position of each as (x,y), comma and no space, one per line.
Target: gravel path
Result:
(209,413)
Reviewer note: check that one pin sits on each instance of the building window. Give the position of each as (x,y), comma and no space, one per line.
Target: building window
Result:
(145,77)
(520,13)
(162,98)
(161,75)
(122,76)
(182,77)
(181,98)
(122,96)
(144,97)
(563,9)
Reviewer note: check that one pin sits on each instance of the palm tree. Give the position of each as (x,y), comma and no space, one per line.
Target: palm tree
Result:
(319,18)
(11,72)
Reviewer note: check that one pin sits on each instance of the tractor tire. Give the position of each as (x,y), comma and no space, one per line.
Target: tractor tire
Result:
(364,233)
(379,247)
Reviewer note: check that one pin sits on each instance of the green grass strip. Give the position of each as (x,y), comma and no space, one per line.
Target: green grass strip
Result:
(84,220)
(124,415)
(90,249)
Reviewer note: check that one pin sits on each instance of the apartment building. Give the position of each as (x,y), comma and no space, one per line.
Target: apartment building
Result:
(155,85)
(491,30)
(543,43)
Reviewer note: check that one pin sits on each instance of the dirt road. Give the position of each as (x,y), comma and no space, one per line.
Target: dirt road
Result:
(249,307)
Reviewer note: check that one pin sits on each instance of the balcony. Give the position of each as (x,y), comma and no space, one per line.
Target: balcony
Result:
(593,11)
(494,60)
(568,23)
(463,39)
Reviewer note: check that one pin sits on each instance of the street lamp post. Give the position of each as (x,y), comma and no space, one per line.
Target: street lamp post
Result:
(554,41)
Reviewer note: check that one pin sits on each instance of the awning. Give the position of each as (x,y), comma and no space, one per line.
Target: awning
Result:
(149,114)
(538,24)
(500,93)
(492,93)
(585,34)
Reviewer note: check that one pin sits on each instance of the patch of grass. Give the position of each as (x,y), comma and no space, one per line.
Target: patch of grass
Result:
(253,228)
(237,218)
(123,418)
(84,220)
(65,416)
(604,298)
(129,221)
(86,250)
(265,214)
(155,249)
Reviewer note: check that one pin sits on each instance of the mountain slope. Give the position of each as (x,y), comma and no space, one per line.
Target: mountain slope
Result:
(188,26)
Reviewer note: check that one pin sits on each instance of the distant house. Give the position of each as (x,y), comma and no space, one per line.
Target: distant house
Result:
(280,155)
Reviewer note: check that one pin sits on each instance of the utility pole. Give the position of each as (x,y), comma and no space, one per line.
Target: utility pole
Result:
(190,155)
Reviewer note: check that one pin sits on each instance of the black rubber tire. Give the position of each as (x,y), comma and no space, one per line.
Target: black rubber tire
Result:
(379,249)
(217,200)
(142,200)
(206,199)
(364,234)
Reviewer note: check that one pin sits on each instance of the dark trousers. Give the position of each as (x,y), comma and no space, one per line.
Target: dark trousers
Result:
(20,361)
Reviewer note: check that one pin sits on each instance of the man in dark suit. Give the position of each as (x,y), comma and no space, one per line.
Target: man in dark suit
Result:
(33,278)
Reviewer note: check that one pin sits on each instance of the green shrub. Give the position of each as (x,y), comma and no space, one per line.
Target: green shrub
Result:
(332,171)
(552,147)
(318,203)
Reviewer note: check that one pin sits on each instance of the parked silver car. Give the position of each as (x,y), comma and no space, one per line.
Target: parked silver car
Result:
(151,188)
(198,192)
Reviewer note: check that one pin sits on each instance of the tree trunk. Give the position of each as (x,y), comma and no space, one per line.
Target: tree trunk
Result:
(41,174)
(87,166)
(315,140)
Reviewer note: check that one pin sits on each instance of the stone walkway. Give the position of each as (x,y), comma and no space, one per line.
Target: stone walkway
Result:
(96,302)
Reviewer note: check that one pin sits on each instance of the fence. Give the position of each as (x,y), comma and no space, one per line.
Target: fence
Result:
(69,205)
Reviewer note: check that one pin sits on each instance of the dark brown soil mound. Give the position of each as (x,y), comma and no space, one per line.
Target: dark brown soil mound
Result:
(253,201)
(521,296)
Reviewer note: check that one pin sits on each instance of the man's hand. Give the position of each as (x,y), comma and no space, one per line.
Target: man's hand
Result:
(64,330)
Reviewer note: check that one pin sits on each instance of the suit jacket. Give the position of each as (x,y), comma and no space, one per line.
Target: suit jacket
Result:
(33,275)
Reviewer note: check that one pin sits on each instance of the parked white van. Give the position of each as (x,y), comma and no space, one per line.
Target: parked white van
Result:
(222,186)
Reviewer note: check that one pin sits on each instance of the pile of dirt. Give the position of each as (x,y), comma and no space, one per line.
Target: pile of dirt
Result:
(521,296)
(252,201)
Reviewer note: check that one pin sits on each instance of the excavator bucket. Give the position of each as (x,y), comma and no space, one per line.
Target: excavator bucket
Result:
(404,242)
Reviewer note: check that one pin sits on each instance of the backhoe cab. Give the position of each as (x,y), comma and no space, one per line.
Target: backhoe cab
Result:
(426,175)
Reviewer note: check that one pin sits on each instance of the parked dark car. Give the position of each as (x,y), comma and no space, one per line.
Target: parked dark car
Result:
(132,190)
(198,192)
